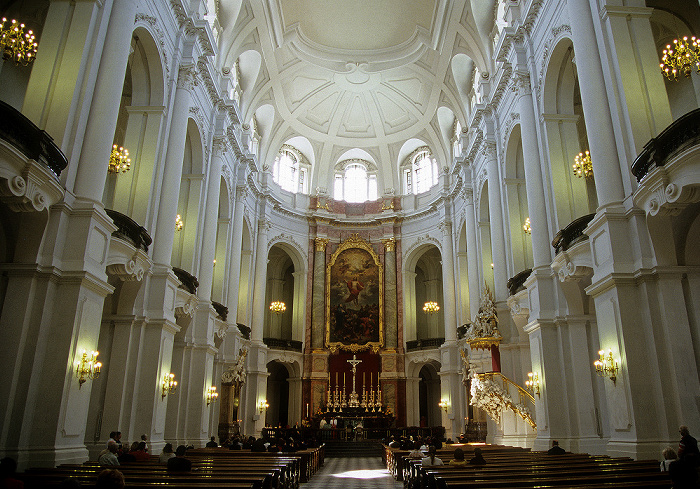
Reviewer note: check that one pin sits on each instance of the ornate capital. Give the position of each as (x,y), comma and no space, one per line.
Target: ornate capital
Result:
(488,148)
(321,243)
(445,227)
(389,245)
(219,146)
(187,77)
(264,225)
(522,83)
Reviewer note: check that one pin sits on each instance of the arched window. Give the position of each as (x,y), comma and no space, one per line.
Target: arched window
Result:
(355,181)
(421,172)
(289,170)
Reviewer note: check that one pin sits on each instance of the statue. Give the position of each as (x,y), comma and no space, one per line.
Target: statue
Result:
(237,373)
(483,333)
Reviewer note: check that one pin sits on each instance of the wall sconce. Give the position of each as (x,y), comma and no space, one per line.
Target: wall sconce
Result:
(178,223)
(212,395)
(526,227)
(444,404)
(87,367)
(430,307)
(533,383)
(169,385)
(278,307)
(606,366)
(263,405)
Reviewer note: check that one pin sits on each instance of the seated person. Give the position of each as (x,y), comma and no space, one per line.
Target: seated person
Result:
(179,462)
(431,459)
(110,457)
(140,454)
(212,443)
(416,453)
(478,458)
(669,455)
(110,479)
(166,454)
(8,469)
(458,460)
(556,449)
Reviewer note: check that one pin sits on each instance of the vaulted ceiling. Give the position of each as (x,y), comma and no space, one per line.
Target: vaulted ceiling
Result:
(383,76)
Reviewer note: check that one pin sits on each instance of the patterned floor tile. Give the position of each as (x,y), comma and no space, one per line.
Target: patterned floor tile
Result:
(353,473)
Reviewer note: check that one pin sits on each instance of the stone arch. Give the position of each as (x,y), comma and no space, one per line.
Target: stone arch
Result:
(516,197)
(422,277)
(286,282)
(139,122)
(565,131)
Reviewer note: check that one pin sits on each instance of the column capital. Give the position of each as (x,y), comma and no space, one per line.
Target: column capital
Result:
(488,149)
(446,227)
(219,146)
(264,225)
(321,243)
(241,193)
(522,82)
(187,77)
(389,245)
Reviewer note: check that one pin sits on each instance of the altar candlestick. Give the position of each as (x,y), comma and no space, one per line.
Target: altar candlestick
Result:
(307,409)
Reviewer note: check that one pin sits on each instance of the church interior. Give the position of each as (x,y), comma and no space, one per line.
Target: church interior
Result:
(222,216)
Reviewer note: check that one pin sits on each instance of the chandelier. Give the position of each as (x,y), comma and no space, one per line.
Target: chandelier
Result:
(178,223)
(278,307)
(431,307)
(680,58)
(583,167)
(119,160)
(17,45)
(526,226)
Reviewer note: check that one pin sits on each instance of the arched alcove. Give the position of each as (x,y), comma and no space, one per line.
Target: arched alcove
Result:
(277,413)
(429,396)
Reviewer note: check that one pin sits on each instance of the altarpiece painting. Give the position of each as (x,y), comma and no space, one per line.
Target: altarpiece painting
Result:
(355,292)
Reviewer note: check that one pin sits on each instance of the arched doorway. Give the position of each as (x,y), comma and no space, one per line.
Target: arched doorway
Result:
(277,395)
(429,396)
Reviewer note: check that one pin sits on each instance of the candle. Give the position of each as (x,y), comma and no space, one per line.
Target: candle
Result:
(307,409)
(336,380)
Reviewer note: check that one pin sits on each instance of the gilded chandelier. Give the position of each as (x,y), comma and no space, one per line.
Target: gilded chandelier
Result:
(430,307)
(87,367)
(583,167)
(278,307)
(17,45)
(119,160)
(680,58)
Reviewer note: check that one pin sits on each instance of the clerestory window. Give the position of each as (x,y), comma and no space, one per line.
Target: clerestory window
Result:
(289,171)
(355,181)
(420,172)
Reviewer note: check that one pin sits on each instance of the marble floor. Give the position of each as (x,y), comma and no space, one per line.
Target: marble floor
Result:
(353,473)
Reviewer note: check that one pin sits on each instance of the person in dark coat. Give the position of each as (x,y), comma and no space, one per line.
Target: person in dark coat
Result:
(556,449)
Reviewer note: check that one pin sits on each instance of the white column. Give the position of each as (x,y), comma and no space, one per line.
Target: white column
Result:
(472,259)
(259,306)
(596,109)
(167,210)
(235,254)
(498,249)
(211,217)
(102,121)
(533,175)
(448,282)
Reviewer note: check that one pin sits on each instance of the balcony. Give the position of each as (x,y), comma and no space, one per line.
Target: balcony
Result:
(667,169)
(425,344)
(517,282)
(30,164)
(573,260)
(128,248)
(289,345)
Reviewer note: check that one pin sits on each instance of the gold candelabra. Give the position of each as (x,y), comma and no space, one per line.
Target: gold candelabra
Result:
(17,45)
(168,386)
(583,166)
(606,365)
(87,367)
(119,160)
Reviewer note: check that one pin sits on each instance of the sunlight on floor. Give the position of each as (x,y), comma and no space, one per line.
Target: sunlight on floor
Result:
(363,474)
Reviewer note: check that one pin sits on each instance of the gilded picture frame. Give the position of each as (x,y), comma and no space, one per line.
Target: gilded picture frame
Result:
(354,298)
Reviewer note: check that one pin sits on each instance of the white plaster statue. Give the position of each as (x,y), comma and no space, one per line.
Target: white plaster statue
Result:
(237,373)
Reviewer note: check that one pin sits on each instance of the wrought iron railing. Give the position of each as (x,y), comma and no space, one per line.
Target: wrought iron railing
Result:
(425,344)
(277,344)
(494,392)
(681,134)
(188,281)
(34,143)
(129,230)
(516,283)
(221,310)
(245,330)
(571,234)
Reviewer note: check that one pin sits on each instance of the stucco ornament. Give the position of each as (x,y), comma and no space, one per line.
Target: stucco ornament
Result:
(490,396)
(237,373)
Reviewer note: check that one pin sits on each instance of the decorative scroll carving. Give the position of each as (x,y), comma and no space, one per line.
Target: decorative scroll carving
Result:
(494,398)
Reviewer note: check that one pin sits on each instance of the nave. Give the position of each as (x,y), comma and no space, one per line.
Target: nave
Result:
(353,473)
